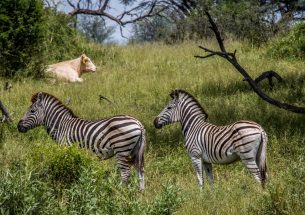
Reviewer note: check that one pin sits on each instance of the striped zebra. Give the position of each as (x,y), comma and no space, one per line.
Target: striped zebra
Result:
(209,144)
(119,136)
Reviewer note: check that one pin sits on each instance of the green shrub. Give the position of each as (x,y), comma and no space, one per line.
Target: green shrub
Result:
(62,40)
(291,45)
(167,202)
(22,193)
(65,167)
(22,34)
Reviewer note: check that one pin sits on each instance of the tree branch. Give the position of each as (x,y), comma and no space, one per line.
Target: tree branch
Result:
(141,10)
(232,59)
(268,75)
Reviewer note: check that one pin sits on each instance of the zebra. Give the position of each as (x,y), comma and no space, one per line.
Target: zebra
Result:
(209,144)
(121,136)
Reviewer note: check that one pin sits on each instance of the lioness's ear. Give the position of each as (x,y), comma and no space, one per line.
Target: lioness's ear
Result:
(84,58)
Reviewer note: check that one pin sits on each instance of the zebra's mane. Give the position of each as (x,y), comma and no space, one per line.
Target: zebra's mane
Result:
(35,97)
(175,93)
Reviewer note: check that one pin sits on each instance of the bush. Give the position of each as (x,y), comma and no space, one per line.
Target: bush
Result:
(22,193)
(66,167)
(22,34)
(291,45)
(167,202)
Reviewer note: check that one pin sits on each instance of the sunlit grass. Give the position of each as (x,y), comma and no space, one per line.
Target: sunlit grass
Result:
(137,80)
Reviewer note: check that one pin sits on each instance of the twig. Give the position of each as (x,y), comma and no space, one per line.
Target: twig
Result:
(104,98)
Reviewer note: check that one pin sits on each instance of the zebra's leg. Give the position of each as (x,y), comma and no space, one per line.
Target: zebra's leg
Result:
(208,171)
(253,168)
(197,164)
(124,166)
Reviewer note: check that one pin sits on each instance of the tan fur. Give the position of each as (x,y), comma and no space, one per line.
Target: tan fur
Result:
(71,70)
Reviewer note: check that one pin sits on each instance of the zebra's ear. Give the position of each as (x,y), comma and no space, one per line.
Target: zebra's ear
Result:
(39,96)
(174,94)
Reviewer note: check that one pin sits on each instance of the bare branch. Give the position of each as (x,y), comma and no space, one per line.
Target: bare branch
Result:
(141,11)
(217,33)
(232,59)
(72,5)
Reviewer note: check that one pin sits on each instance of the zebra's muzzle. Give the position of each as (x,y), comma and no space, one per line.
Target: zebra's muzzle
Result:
(21,128)
(156,123)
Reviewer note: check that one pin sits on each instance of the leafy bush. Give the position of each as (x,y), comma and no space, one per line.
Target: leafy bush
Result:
(167,202)
(291,45)
(22,193)
(66,167)
(62,40)
(22,34)
(100,193)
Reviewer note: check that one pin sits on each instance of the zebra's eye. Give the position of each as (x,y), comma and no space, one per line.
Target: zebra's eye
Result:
(32,111)
(168,108)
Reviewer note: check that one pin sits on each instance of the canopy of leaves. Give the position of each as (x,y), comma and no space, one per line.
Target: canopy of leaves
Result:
(22,32)
(291,45)
(94,28)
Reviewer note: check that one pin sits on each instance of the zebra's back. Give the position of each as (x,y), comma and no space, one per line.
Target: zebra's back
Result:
(221,144)
(118,134)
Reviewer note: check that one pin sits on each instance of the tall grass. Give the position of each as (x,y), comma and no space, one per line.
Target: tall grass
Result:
(137,79)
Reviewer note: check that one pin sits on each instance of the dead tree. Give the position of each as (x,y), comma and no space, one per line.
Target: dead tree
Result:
(6,116)
(231,57)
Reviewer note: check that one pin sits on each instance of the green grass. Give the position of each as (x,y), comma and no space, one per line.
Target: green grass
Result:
(138,79)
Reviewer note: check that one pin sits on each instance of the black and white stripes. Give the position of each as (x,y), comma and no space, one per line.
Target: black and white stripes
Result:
(120,136)
(207,143)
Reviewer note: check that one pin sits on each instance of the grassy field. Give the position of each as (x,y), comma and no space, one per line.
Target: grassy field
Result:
(38,176)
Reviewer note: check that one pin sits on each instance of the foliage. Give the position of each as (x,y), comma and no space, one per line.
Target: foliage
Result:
(65,167)
(138,79)
(237,19)
(291,45)
(282,198)
(22,33)
(167,202)
(21,192)
(158,29)
(95,28)
(243,20)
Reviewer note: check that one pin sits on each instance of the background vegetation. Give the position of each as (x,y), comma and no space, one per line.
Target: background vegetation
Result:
(39,177)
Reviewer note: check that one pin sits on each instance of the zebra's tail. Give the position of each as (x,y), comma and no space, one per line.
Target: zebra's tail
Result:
(261,158)
(138,157)
(139,151)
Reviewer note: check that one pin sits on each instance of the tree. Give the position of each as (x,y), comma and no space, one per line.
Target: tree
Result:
(157,28)
(21,38)
(95,28)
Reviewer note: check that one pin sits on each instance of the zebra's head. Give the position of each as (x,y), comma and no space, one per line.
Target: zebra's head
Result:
(34,116)
(170,113)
